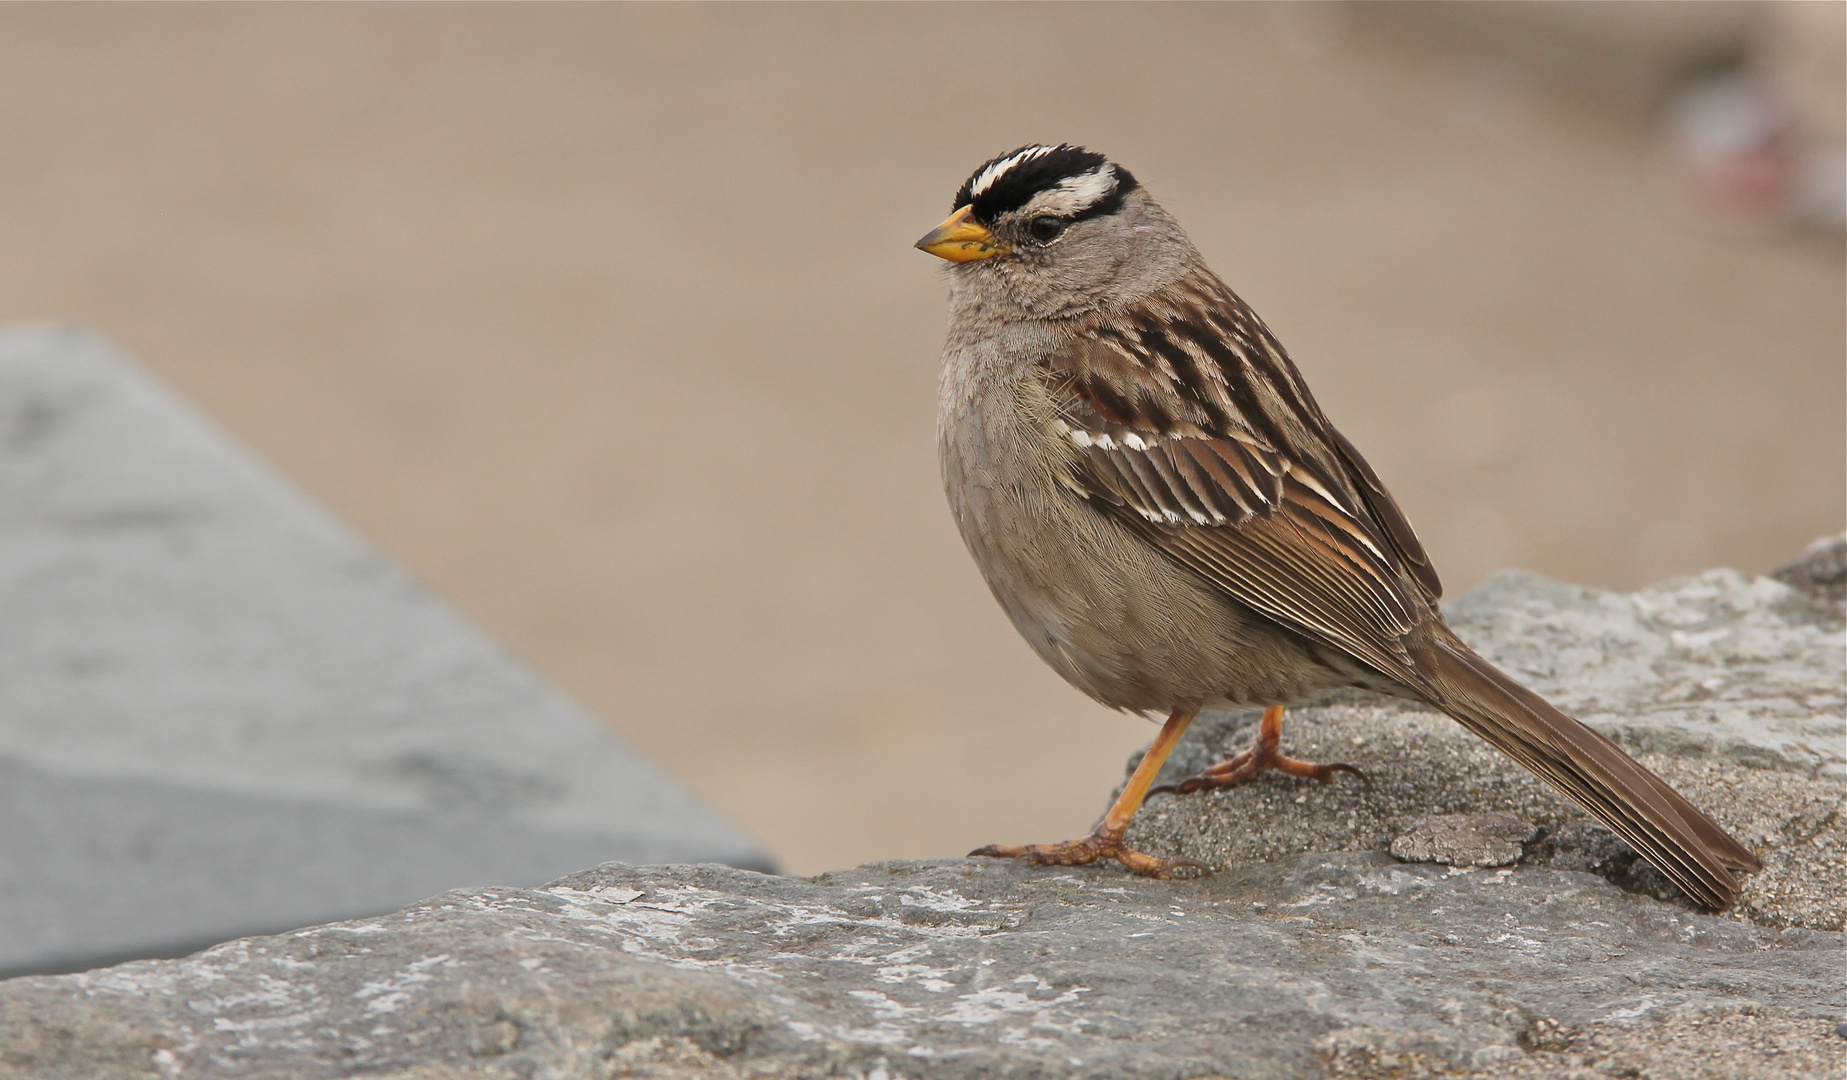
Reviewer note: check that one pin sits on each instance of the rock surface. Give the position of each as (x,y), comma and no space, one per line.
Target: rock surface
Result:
(1820,572)
(1732,688)
(221,714)
(1311,952)
(1466,840)
(946,969)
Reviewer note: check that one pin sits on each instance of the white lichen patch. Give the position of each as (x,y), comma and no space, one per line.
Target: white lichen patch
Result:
(938,900)
(1394,882)
(930,978)
(390,994)
(1000,1006)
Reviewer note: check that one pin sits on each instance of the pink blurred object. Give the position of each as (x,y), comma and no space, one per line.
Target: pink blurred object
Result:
(1739,151)
(1764,145)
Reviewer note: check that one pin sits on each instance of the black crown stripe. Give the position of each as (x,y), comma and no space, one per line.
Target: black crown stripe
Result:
(1017,186)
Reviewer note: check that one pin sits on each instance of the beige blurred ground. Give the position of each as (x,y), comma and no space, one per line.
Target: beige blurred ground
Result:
(604,321)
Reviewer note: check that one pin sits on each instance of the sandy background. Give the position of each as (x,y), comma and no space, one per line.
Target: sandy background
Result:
(604,322)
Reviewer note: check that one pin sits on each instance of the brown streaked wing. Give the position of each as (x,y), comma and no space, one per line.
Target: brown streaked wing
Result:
(1386,510)
(1202,439)
(1296,576)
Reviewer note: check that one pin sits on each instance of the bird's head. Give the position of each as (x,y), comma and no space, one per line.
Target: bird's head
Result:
(1057,230)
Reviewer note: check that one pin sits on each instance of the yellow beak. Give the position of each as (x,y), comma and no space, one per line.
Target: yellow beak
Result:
(961,239)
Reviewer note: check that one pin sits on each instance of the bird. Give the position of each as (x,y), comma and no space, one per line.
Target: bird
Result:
(1172,523)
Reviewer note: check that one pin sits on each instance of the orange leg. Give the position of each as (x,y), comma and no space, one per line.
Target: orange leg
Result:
(1106,841)
(1262,755)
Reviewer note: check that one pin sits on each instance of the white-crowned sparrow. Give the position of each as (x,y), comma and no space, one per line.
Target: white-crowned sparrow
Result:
(1172,523)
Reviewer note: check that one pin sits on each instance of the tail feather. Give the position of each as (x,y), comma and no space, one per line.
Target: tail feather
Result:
(1594,772)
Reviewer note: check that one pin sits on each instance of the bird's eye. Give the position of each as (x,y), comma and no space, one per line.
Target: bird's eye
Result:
(1045,228)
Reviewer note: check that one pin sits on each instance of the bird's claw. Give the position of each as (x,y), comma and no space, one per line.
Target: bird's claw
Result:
(1088,850)
(1249,763)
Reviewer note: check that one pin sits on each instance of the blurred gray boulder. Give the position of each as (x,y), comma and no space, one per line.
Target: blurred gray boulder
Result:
(221,714)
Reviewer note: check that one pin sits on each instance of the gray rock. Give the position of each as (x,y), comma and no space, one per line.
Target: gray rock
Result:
(1820,572)
(220,714)
(947,969)
(1730,687)
(1720,665)
(1586,845)
(1310,952)
(1466,840)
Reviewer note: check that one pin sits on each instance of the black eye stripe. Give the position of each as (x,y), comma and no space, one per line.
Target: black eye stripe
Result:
(1110,203)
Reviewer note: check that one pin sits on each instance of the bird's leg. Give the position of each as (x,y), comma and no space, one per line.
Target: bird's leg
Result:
(1262,755)
(1106,841)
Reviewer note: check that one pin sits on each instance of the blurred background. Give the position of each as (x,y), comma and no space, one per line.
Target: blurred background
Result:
(604,321)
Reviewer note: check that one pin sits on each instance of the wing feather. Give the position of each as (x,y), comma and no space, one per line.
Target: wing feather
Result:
(1229,489)
(1198,433)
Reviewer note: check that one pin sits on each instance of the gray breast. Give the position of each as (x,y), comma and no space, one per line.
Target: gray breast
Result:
(1113,616)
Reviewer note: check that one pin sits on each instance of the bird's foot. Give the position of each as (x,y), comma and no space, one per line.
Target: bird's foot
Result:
(1262,755)
(1098,845)
(1106,841)
(1249,763)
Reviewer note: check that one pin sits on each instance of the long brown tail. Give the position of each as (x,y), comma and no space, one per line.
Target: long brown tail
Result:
(1594,772)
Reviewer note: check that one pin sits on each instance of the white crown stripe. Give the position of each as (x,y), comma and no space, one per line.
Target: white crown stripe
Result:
(995,171)
(1087,188)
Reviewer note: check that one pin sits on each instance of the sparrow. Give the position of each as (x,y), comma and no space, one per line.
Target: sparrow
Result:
(1172,523)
